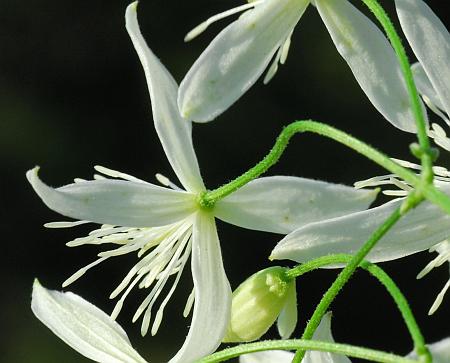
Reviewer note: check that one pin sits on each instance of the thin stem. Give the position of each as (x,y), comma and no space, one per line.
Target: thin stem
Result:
(348,271)
(344,349)
(426,153)
(385,280)
(429,191)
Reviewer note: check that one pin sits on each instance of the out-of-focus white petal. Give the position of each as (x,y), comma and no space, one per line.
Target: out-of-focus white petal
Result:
(212,303)
(282,204)
(83,326)
(115,202)
(269,356)
(430,42)
(287,320)
(440,351)
(424,85)
(236,58)
(173,131)
(323,333)
(420,229)
(371,59)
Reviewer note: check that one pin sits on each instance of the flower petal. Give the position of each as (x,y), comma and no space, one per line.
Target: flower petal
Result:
(212,293)
(424,85)
(269,356)
(83,326)
(116,202)
(287,320)
(420,229)
(281,204)
(430,42)
(173,131)
(236,58)
(371,59)
(439,350)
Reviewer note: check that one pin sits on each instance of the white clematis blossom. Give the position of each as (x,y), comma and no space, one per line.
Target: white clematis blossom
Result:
(427,227)
(241,52)
(440,350)
(167,225)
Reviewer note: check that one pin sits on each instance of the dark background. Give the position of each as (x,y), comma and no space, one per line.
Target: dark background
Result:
(73,95)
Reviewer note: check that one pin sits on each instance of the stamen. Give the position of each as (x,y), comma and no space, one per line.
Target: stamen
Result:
(64,224)
(166,182)
(285,49)
(435,109)
(189,303)
(203,26)
(81,272)
(273,67)
(79,180)
(439,298)
(117,174)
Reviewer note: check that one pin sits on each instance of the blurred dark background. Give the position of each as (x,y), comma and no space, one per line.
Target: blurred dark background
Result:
(73,95)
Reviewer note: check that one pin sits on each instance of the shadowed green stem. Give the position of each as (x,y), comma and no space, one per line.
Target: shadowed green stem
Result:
(344,349)
(383,278)
(208,199)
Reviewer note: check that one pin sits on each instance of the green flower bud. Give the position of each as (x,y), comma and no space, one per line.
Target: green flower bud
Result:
(258,302)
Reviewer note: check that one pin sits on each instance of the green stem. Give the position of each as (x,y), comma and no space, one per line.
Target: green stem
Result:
(385,280)
(429,191)
(344,349)
(349,269)
(426,152)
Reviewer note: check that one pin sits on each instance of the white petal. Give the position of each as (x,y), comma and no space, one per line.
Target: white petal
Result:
(424,85)
(173,131)
(270,356)
(371,59)
(287,320)
(282,204)
(83,326)
(420,229)
(116,202)
(236,58)
(323,333)
(440,351)
(212,293)
(430,42)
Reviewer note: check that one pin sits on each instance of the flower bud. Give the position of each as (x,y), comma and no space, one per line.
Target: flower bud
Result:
(258,302)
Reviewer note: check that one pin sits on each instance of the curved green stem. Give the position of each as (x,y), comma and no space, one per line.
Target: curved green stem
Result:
(344,349)
(426,152)
(429,191)
(385,280)
(348,271)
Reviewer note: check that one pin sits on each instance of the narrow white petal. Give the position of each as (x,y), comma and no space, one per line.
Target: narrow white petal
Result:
(430,42)
(282,204)
(115,202)
(424,85)
(236,58)
(212,303)
(440,351)
(83,326)
(323,333)
(287,320)
(173,131)
(371,59)
(420,229)
(269,356)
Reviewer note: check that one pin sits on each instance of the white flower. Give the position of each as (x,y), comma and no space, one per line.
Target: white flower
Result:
(322,333)
(242,51)
(427,227)
(440,350)
(165,226)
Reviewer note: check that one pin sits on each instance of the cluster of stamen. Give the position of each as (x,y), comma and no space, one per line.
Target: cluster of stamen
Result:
(162,251)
